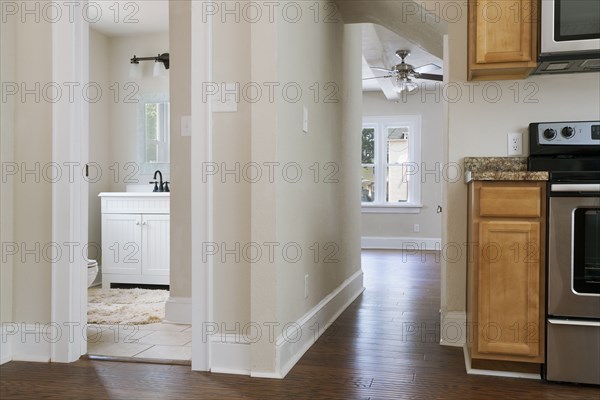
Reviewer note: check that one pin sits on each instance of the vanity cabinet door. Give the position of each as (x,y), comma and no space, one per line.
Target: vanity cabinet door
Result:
(155,244)
(121,244)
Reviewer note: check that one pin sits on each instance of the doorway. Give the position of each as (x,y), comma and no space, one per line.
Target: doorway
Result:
(130,145)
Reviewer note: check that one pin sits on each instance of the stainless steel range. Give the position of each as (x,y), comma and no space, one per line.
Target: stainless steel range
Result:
(570,151)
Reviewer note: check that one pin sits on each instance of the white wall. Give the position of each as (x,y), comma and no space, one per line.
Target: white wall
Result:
(231,196)
(401,225)
(479,128)
(7,115)
(32,214)
(123,113)
(309,212)
(306,212)
(180,172)
(265,291)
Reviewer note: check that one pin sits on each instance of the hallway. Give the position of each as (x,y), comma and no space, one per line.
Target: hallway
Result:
(384,346)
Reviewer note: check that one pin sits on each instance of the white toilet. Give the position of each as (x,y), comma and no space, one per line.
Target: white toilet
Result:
(92,271)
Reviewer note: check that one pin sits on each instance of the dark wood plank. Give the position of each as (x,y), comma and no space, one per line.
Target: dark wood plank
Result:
(366,354)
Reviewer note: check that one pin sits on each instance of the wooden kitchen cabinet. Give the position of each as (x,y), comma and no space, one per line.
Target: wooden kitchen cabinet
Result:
(502,39)
(505,299)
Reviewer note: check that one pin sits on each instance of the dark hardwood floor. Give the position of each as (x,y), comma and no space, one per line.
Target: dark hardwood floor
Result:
(384,346)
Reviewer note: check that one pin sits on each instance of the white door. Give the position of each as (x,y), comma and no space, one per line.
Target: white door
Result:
(121,244)
(155,244)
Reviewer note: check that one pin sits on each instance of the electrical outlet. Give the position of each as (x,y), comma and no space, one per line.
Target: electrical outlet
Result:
(306,286)
(515,144)
(416,228)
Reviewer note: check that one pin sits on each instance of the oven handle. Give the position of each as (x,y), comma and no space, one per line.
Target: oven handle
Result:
(571,322)
(574,187)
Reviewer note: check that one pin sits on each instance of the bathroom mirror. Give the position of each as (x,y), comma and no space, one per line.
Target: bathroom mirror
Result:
(153,132)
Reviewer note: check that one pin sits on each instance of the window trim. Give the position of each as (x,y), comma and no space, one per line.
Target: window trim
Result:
(144,166)
(381,124)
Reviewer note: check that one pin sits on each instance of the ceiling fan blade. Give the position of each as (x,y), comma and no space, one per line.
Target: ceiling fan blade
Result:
(431,77)
(381,69)
(378,77)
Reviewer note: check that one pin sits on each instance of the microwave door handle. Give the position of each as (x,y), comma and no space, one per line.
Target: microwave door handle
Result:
(554,321)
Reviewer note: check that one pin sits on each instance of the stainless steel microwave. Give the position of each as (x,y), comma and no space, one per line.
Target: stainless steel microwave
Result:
(570,36)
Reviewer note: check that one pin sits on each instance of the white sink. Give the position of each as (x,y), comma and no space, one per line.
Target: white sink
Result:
(134,194)
(139,188)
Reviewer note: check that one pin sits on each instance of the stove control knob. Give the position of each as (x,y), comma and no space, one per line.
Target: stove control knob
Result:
(567,132)
(549,134)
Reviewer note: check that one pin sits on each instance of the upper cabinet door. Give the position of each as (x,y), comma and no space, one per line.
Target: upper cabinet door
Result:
(503,30)
(502,39)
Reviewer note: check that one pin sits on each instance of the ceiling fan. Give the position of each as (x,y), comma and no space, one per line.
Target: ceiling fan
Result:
(402,74)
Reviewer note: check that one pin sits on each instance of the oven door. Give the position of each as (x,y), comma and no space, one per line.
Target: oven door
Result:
(574,256)
(570,25)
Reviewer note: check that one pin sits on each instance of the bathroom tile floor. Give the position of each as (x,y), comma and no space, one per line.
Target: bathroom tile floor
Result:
(157,341)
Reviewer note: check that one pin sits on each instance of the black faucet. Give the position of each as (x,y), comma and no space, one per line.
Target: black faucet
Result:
(161,187)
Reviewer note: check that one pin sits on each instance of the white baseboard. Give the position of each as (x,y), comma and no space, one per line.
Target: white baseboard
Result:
(27,342)
(488,372)
(292,346)
(453,328)
(178,310)
(5,346)
(230,354)
(400,243)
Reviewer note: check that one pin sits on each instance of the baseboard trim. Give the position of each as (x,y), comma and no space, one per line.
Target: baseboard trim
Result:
(230,354)
(314,323)
(489,372)
(453,328)
(178,310)
(28,342)
(400,243)
(5,346)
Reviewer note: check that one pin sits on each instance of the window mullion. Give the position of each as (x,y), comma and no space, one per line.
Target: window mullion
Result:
(381,165)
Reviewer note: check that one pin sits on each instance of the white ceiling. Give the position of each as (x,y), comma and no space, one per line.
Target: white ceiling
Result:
(127,17)
(379,50)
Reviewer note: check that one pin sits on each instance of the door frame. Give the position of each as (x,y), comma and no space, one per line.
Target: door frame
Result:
(201,190)
(70,141)
(70,150)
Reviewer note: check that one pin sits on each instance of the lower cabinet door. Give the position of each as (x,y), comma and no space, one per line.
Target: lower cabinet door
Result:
(121,244)
(509,287)
(155,244)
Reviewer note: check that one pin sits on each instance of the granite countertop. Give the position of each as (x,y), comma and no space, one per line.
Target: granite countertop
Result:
(500,169)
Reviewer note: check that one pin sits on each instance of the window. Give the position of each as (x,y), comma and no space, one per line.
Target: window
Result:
(153,137)
(391,158)
(157,132)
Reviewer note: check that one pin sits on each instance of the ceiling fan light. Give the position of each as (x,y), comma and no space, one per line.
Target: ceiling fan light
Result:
(404,85)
